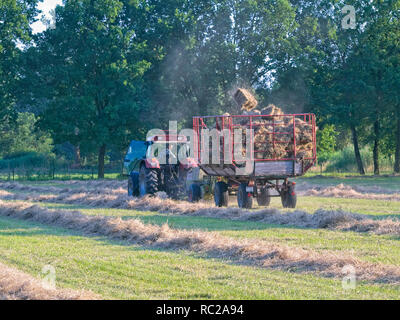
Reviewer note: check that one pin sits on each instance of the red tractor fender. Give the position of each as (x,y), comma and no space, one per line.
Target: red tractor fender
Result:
(152,163)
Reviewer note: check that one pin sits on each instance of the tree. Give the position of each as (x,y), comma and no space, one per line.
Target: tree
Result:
(92,76)
(211,47)
(15,16)
(326,139)
(380,50)
(341,70)
(24,137)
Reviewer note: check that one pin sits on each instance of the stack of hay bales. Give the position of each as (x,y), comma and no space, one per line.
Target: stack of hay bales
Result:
(280,145)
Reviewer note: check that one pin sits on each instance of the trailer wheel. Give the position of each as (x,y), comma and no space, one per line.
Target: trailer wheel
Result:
(133,184)
(245,200)
(221,195)
(148,181)
(194,193)
(289,198)
(264,197)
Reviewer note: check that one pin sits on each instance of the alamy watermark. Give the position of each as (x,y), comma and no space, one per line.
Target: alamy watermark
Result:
(48,276)
(187,144)
(349,20)
(349,281)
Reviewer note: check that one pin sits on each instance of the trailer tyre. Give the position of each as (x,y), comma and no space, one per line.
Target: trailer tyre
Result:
(289,198)
(264,197)
(148,181)
(245,200)
(194,193)
(221,195)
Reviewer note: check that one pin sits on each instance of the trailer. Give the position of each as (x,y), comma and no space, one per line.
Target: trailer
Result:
(270,169)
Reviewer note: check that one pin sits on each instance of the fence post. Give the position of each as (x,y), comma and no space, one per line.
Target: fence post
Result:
(54,168)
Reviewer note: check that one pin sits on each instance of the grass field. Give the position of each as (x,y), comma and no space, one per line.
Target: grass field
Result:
(115,269)
(390,182)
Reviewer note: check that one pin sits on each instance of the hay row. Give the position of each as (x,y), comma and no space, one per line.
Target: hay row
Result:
(250,252)
(322,219)
(16,285)
(342,191)
(96,188)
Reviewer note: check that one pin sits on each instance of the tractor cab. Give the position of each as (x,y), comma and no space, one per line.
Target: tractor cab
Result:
(167,149)
(135,155)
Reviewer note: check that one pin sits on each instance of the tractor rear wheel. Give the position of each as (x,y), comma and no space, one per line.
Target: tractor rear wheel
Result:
(148,181)
(264,197)
(194,193)
(221,195)
(245,199)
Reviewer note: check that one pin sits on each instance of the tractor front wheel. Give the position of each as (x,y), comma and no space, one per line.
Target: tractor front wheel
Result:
(148,181)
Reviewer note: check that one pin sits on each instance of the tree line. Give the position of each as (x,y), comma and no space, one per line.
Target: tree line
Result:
(106,71)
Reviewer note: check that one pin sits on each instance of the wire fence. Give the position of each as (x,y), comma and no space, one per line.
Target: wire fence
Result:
(53,170)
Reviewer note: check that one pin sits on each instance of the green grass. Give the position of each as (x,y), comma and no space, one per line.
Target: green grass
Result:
(391,183)
(117,271)
(372,248)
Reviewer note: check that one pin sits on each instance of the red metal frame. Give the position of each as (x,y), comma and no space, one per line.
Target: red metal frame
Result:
(199,123)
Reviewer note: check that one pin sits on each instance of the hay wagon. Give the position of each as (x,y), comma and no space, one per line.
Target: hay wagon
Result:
(278,147)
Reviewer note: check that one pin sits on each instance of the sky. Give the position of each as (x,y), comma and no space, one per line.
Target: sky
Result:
(46,6)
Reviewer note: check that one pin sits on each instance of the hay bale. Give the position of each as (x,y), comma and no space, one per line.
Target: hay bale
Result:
(272,110)
(245,99)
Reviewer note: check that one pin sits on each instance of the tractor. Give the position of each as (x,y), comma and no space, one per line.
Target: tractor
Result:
(153,166)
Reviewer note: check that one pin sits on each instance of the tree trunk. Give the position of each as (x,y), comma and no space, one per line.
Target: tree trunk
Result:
(397,155)
(77,151)
(102,154)
(357,150)
(376,148)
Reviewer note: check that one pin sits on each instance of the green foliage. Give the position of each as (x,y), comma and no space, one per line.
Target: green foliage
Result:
(27,160)
(93,71)
(213,46)
(343,161)
(23,137)
(326,145)
(15,16)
